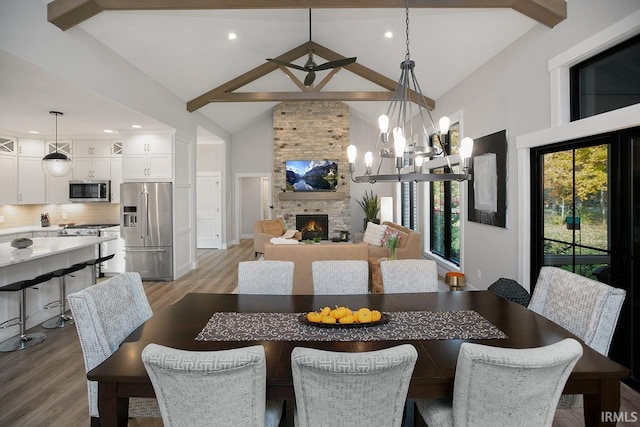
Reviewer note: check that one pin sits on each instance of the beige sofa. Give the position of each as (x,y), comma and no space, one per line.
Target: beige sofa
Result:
(265,230)
(304,254)
(408,246)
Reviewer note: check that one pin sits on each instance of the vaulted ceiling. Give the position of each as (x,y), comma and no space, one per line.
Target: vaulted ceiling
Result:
(189,53)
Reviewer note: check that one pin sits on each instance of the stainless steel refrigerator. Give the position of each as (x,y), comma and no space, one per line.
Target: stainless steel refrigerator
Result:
(146,226)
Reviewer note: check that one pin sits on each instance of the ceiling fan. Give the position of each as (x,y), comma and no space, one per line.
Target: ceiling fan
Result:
(310,66)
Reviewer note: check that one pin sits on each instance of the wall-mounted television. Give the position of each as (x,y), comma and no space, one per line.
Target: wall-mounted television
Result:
(312,175)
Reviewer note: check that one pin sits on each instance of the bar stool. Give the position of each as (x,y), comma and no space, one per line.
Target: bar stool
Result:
(23,340)
(62,319)
(93,263)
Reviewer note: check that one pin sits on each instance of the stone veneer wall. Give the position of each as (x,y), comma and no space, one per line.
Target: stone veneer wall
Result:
(312,130)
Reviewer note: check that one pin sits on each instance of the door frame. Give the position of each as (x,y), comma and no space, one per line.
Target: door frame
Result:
(238,197)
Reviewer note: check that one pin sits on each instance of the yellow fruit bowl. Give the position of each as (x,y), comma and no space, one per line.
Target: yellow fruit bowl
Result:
(344,317)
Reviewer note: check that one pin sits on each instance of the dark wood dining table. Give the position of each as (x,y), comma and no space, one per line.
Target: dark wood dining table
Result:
(123,374)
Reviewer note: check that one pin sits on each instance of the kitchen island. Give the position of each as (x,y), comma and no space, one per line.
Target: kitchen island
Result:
(46,254)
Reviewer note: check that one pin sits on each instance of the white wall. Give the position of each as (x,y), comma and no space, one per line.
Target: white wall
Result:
(512,91)
(364,136)
(251,205)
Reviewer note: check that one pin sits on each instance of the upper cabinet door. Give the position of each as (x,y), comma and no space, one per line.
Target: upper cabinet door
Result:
(91,148)
(31,147)
(148,144)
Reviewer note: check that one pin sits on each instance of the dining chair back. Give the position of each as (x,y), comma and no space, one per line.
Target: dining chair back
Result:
(337,277)
(497,386)
(265,277)
(105,314)
(336,388)
(587,308)
(211,388)
(409,275)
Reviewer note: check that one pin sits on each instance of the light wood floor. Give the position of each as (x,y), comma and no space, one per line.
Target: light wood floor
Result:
(45,385)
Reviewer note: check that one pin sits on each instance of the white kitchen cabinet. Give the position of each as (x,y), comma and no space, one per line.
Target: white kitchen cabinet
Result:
(57,189)
(31,180)
(31,147)
(116,178)
(157,166)
(147,157)
(91,148)
(61,146)
(92,168)
(9,179)
(148,144)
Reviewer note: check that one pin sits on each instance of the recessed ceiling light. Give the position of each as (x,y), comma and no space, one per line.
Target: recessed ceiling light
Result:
(388,35)
(108,131)
(232,36)
(35,132)
(136,126)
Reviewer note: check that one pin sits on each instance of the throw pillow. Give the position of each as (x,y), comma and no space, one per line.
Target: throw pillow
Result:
(374,233)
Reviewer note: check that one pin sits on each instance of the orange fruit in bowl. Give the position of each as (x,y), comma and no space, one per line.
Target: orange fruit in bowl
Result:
(328,319)
(314,316)
(325,311)
(338,312)
(375,315)
(348,319)
(364,315)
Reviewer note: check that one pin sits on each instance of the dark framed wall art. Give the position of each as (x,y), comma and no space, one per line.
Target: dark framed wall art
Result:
(488,183)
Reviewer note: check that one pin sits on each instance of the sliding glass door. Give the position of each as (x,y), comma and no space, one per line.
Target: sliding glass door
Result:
(586,219)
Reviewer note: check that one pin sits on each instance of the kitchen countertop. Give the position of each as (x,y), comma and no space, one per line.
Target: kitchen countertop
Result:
(44,247)
(28,228)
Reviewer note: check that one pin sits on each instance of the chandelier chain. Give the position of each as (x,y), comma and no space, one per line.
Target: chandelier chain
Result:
(406,12)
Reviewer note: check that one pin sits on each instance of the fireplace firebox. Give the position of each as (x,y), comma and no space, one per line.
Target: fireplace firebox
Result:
(313,226)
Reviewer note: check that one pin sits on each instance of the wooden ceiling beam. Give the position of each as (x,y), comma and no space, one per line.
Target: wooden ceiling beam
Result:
(302,96)
(368,74)
(247,77)
(67,13)
(224,92)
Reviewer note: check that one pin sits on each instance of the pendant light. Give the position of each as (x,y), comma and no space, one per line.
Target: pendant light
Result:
(407,143)
(56,164)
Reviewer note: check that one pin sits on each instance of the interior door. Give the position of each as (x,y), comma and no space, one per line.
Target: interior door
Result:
(208,210)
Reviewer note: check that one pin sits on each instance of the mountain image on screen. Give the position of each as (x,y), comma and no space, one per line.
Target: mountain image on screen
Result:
(312,175)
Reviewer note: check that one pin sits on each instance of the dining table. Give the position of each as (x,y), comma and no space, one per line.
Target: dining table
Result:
(435,323)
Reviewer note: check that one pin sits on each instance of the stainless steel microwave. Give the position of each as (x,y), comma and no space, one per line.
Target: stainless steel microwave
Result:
(89,191)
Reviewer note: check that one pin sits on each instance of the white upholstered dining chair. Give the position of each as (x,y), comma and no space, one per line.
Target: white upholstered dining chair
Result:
(105,314)
(336,388)
(211,388)
(409,275)
(265,277)
(587,308)
(497,386)
(337,277)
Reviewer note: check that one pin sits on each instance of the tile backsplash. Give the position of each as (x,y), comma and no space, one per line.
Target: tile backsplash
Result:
(78,213)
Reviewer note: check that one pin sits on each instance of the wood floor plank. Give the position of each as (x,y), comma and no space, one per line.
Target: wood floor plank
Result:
(46,384)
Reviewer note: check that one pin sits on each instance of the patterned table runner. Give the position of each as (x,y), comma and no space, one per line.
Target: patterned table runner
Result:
(404,325)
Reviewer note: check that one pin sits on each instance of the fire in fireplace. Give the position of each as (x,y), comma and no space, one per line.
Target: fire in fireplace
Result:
(313,225)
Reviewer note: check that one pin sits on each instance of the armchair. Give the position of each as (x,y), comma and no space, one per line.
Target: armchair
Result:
(265,230)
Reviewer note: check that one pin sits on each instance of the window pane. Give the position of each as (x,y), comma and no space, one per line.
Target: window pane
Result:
(607,81)
(576,209)
(438,215)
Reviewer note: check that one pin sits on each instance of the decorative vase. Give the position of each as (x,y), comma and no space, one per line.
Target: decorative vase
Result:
(392,253)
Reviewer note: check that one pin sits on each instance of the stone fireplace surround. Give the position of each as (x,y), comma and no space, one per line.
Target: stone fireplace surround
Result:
(311,130)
